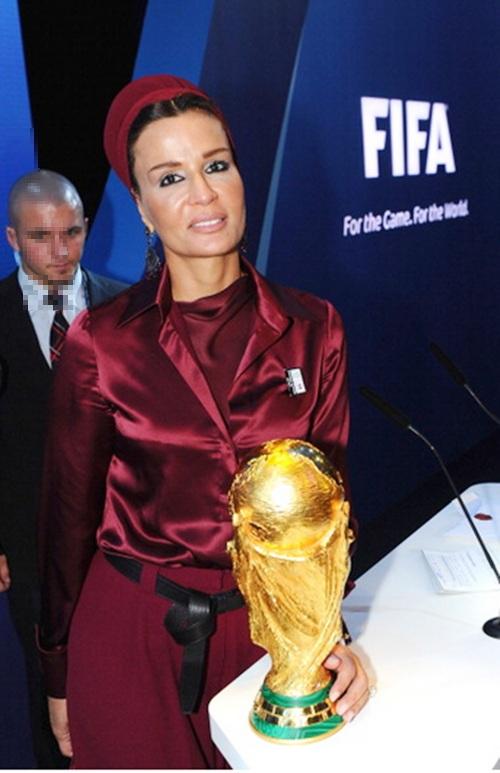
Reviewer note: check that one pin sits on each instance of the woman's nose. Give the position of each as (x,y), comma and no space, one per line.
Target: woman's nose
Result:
(201,191)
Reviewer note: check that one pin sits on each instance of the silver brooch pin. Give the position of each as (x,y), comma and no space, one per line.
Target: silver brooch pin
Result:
(294,381)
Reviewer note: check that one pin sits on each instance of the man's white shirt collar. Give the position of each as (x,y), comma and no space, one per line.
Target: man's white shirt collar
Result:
(41,313)
(35,293)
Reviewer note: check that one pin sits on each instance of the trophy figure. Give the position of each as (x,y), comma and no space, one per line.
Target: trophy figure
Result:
(290,557)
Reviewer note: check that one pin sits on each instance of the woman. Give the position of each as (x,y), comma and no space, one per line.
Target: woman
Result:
(159,395)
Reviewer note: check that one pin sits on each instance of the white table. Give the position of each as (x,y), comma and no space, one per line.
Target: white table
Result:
(437,707)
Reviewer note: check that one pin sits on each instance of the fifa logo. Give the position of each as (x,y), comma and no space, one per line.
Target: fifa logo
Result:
(425,146)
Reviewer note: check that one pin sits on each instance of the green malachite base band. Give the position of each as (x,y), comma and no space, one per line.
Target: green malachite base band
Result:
(297,733)
(283,718)
(289,702)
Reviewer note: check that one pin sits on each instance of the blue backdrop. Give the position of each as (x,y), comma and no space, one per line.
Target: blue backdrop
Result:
(389,211)
(366,133)
(17,154)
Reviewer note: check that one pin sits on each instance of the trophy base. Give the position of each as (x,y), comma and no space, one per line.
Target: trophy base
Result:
(283,719)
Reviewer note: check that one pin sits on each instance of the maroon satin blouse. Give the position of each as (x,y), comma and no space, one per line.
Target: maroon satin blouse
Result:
(151,415)
(216,328)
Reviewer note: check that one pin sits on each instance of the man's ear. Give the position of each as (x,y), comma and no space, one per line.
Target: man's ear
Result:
(11,235)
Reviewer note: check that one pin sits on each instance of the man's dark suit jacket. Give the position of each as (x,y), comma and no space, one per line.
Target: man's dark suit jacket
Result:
(25,381)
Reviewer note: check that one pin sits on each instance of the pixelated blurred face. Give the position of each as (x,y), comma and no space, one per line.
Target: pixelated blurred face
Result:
(49,237)
(191,192)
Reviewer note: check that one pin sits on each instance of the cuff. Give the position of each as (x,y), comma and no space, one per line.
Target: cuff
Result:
(54,666)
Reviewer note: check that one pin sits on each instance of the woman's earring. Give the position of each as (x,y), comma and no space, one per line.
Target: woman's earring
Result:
(153,262)
(242,247)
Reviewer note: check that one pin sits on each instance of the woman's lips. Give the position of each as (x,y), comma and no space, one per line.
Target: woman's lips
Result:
(208,224)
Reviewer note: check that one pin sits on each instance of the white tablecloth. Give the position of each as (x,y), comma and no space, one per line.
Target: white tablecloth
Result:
(437,707)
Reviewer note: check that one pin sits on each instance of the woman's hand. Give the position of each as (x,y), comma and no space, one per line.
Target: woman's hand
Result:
(350,688)
(58,714)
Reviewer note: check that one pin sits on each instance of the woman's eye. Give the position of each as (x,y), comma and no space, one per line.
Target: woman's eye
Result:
(217,166)
(170,179)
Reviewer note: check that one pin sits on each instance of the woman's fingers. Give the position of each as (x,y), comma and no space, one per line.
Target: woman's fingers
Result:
(350,689)
(58,714)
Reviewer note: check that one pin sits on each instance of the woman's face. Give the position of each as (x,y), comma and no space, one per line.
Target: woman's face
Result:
(191,192)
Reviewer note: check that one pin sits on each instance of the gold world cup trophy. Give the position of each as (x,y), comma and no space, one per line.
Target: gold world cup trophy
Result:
(290,557)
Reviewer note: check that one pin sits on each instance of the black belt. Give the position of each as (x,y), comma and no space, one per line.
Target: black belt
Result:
(190,620)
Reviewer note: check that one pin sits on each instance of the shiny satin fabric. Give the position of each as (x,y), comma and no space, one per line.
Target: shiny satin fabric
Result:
(139,451)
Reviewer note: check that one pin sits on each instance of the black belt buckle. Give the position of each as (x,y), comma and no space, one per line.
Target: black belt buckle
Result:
(190,625)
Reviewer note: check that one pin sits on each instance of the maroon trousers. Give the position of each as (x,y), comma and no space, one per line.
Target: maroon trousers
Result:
(124,670)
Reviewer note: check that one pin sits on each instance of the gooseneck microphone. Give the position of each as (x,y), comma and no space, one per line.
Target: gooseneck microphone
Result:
(457,376)
(491,627)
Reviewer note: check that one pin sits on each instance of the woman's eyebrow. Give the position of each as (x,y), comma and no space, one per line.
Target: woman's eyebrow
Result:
(215,151)
(170,164)
(175,164)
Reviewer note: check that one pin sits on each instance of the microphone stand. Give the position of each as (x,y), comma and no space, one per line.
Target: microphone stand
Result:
(457,376)
(492,626)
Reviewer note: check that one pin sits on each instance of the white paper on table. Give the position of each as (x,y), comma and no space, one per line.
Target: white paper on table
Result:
(462,571)
(489,530)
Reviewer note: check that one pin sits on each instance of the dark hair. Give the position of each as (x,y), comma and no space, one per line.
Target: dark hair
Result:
(166,109)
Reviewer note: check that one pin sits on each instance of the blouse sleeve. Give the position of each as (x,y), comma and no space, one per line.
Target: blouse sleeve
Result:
(77,456)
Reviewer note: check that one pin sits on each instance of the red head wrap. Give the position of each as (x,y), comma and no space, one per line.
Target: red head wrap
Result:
(129,102)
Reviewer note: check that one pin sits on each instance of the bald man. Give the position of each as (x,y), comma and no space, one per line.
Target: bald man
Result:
(47,229)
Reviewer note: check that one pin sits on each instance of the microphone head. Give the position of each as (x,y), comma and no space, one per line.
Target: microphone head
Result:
(393,413)
(448,365)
